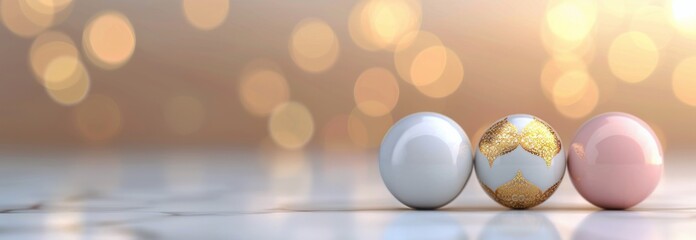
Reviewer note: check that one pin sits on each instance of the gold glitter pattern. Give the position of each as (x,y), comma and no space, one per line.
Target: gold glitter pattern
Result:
(499,139)
(537,138)
(519,193)
(540,139)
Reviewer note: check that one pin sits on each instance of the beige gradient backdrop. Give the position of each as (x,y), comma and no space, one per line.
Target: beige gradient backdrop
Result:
(334,74)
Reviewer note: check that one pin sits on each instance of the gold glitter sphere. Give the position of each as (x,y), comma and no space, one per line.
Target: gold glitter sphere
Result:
(520,161)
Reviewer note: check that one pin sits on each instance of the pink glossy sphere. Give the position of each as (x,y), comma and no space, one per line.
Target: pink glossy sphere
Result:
(615,160)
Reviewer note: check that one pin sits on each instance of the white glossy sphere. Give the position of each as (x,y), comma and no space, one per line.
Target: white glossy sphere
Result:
(506,140)
(425,160)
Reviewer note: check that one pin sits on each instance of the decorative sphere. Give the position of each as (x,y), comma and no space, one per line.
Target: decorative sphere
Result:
(425,160)
(615,160)
(520,161)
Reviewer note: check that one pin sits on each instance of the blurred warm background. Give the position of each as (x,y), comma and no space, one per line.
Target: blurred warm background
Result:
(334,75)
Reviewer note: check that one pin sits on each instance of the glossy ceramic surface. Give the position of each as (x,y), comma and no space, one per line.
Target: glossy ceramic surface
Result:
(425,160)
(520,161)
(615,161)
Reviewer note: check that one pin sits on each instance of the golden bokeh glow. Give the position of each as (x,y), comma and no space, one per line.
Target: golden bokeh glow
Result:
(570,87)
(109,40)
(36,13)
(184,115)
(301,75)
(408,49)
(381,24)
(554,69)
(313,45)
(98,118)
(562,49)
(263,89)
(62,72)
(575,94)
(391,19)
(684,17)
(654,22)
(206,14)
(572,20)
(567,30)
(614,8)
(76,92)
(613,14)
(291,125)
(54,60)
(428,66)
(27,18)
(48,6)
(450,79)
(633,56)
(684,81)
(376,92)
(358,27)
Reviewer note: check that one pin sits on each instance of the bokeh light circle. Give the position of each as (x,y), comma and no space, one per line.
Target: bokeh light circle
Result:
(428,66)
(633,56)
(407,50)
(54,60)
(205,14)
(376,92)
(76,92)
(563,49)
(575,94)
(109,40)
(684,81)
(291,125)
(450,79)
(62,72)
(263,89)
(313,45)
(654,22)
(572,20)
(566,31)
(554,69)
(381,24)
(571,87)
(49,6)
(27,18)
(684,17)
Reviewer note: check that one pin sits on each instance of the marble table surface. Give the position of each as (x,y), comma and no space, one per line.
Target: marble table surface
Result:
(311,194)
